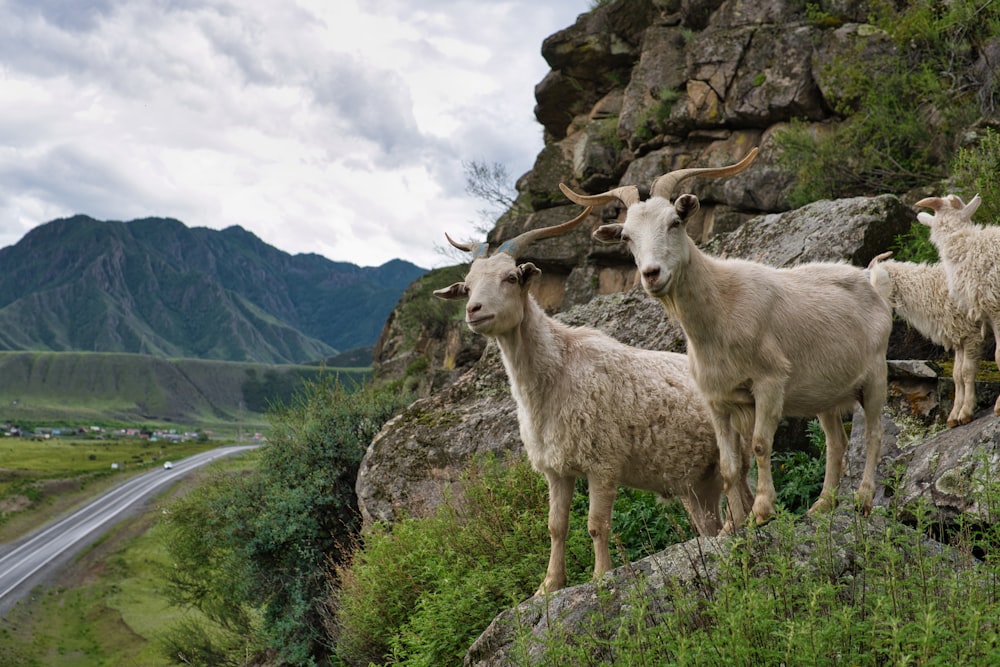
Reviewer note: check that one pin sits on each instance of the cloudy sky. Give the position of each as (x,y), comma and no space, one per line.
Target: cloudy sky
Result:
(331,126)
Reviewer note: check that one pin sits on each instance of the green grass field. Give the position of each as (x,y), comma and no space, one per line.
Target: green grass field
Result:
(41,479)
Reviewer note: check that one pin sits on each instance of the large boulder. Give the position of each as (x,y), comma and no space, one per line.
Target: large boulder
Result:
(850,230)
(943,471)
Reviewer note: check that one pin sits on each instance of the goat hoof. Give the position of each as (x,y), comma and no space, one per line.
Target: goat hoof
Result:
(822,505)
(547,587)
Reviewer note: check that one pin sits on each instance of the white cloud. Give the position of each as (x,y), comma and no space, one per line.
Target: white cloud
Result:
(330,127)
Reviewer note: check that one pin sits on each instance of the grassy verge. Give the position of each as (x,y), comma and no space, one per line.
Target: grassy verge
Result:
(108,607)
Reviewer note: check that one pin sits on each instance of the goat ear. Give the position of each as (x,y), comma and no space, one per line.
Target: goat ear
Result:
(608,233)
(686,206)
(527,271)
(453,291)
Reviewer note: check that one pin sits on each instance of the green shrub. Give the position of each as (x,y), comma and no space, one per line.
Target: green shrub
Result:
(420,592)
(251,551)
(902,111)
(915,245)
(798,475)
(643,524)
(976,170)
(420,311)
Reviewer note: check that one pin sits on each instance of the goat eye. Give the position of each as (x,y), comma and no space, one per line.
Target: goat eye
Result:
(510,278)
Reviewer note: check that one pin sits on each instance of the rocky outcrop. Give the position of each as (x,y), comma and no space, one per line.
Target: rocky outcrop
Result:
(943,471)
(834,543)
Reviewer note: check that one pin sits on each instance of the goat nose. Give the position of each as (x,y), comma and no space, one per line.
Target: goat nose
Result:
(651,273)
(473,308)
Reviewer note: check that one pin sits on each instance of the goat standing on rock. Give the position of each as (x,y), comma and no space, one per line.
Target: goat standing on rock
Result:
(969,254)
(763,342)
(591,406)
(919,294)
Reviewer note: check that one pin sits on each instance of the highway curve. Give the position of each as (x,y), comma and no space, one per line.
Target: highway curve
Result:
(30,560)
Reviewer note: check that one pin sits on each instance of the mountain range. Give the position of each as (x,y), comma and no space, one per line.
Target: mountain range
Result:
(155,286)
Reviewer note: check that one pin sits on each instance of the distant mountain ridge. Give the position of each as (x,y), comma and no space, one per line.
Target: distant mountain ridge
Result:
(155,286)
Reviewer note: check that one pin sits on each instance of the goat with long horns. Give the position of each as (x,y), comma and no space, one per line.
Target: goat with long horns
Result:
(591,406)
(763,342)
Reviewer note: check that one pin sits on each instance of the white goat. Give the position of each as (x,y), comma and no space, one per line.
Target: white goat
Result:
(763,342)
(591,406)
(919,294)
(969,254)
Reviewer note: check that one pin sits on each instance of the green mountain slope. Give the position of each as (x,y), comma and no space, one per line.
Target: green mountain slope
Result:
(155,286)
(134,388)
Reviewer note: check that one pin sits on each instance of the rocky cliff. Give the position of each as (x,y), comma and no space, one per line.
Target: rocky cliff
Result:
(637,88)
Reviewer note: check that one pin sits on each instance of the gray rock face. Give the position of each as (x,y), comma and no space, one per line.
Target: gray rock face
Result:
(941,469)
(845,230)
(420,453)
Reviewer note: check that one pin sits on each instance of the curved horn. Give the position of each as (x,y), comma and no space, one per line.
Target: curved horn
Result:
(935,203)
(477,249)
(664,185)
(521,241)
(627,194)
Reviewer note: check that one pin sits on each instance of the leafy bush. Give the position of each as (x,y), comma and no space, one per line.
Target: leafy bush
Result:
(420,311)
(420,592)
(251,550)
(643,524)
(903,111)
(976,170)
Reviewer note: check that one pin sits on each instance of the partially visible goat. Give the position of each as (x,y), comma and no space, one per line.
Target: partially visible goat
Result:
(763,342)
(969,254)
(591,406)
(919,294)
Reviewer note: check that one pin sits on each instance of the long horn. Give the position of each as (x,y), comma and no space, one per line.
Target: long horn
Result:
(664,185)
(477,249)
(627,194)
(515,245)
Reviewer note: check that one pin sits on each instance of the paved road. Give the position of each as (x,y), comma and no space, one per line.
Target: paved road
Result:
(27,561)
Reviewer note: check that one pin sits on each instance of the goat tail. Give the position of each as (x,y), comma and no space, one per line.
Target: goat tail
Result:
(879,278)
